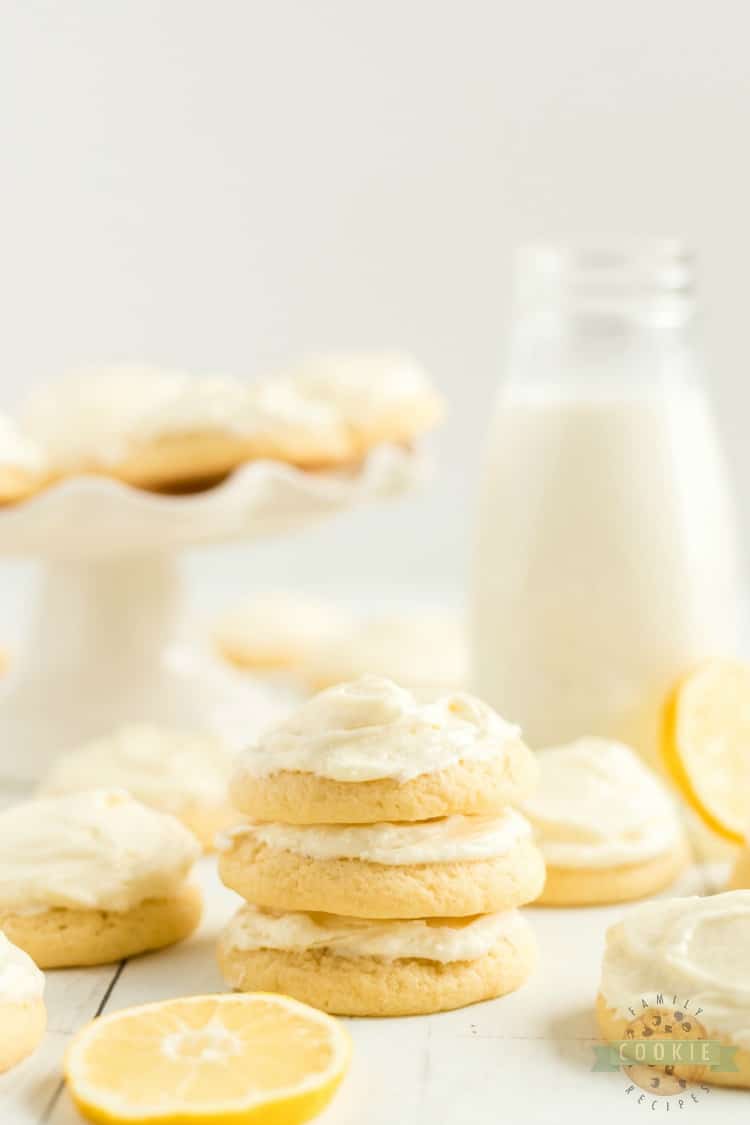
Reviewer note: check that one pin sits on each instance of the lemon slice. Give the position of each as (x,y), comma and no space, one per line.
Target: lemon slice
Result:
(226,1059)
(706,745)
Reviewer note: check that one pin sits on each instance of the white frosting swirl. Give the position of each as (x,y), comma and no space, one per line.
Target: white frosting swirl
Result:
(372,729)
(444,840)
(697,949)
(99,850)
(434,939)
(167,769)
(20,979)
(17,450)
(597,805)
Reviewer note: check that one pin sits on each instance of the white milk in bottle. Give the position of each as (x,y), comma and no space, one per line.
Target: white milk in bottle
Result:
(605,562)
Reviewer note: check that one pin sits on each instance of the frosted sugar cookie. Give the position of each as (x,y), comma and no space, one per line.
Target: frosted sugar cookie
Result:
(381,397)
(691,955)
(608,829)
(23,1017)
(368,751)
(23,469)
(179,772)
(450,867)
(93,877)
(277,630)
(165,429)
(348,966)
(425,652)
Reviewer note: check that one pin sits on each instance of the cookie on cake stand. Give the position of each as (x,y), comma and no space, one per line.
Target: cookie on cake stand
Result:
(105,644)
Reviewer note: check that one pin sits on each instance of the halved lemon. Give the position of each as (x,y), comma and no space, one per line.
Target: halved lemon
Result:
(228,1059)
(706,745)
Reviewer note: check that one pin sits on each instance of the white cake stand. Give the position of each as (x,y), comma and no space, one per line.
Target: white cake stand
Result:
(105,645)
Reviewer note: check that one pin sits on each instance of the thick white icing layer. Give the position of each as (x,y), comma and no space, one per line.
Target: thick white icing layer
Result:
(441,940)
(598,805)
(371,728)
(697,949)
(100,849)
(448,839)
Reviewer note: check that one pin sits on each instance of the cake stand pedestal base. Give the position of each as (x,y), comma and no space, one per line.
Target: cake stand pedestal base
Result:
(105,648)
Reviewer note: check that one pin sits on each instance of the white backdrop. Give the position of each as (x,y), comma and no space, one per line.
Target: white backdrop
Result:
(227,184)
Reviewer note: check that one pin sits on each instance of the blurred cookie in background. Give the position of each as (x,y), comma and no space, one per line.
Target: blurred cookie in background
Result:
(425,651)
(184,773)
(278,630)
(174,431)
(379,396)
(161,429)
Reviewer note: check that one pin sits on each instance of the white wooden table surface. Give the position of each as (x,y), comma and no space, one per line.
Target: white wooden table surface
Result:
(524,1058)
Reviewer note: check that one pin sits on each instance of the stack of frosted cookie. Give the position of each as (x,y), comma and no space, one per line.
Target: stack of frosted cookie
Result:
(384,862)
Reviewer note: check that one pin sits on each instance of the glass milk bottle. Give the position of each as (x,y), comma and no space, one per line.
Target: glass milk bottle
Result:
(605,558)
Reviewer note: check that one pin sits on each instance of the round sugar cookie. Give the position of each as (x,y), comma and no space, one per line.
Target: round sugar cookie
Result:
(466,787)
(185,773)
(607,826)
(64,937)
(94,876)
(446,868)
(342,981)
(596,886)
(23,1016)
(682,960)
(369,751)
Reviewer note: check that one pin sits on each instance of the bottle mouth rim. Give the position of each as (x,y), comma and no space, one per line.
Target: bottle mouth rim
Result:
(608,265)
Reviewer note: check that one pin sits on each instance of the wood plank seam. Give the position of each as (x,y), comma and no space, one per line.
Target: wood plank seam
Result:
(52,1103)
